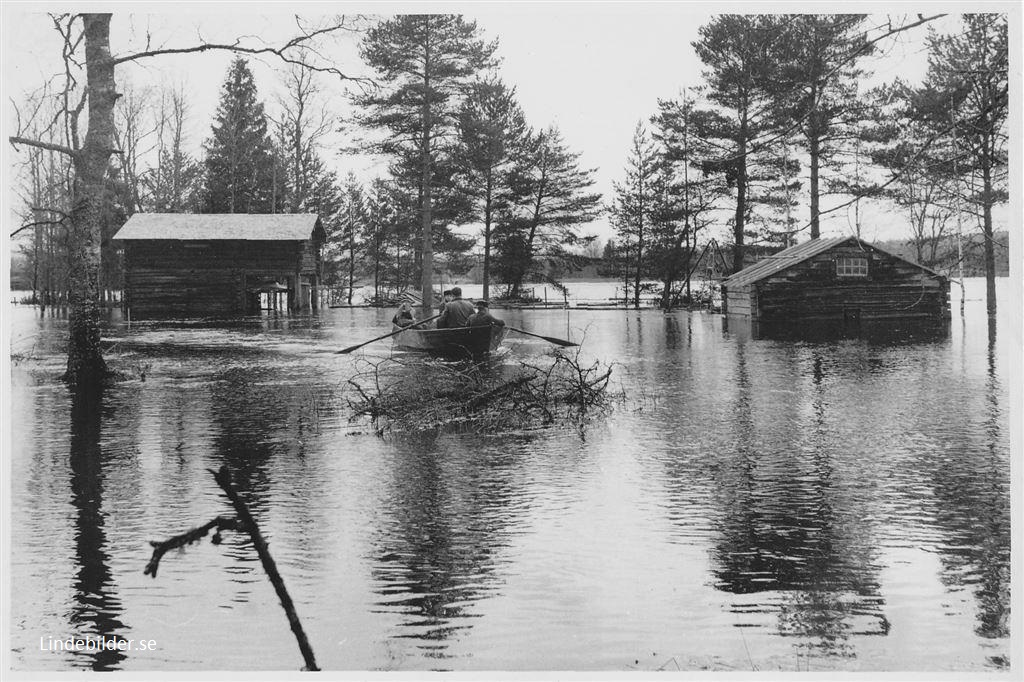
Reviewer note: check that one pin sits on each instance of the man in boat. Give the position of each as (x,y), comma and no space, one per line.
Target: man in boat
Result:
(483,318)
(403,318)
(456,311)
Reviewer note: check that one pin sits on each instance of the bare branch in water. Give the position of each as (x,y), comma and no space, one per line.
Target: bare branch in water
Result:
(190,537)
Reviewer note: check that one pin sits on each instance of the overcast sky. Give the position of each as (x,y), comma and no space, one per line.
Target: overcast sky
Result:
(593,69)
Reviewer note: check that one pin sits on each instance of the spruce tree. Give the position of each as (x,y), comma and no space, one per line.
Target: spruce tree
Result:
(241,167)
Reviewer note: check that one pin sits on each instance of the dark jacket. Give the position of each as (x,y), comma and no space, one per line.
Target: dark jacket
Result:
(455,313)
(484,319)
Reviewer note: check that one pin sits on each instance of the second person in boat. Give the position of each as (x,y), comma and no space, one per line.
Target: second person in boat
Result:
(456,312)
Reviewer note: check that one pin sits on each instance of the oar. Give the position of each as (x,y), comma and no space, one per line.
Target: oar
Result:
(381,338)
(549,339)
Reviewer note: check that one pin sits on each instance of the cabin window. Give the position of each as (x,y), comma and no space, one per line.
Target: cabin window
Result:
(852,267)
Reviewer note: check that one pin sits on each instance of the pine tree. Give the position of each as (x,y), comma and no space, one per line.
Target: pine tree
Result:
(424,63)
(550,200)
(242,174)
(816,92)
(742,80)
(492,135)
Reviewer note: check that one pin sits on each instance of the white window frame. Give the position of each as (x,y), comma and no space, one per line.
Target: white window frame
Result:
(851,266)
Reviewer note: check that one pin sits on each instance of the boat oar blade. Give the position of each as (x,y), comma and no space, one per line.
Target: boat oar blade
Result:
(345,351)
(549,339)
(559,342)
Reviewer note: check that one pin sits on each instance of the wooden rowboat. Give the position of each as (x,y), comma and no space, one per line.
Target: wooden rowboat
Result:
(454,342)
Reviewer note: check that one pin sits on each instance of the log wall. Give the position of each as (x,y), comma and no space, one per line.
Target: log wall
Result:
(174,278)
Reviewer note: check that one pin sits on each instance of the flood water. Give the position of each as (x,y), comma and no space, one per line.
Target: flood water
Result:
(755,505)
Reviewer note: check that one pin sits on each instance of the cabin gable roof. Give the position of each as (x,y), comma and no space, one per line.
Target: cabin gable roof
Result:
(794,255)
(221,226)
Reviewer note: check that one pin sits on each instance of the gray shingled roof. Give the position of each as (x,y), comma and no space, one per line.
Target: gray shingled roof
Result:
(781,260)
(796,254)
(247,226)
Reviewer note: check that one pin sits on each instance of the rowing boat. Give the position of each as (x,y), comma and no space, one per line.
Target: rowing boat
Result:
(453,342)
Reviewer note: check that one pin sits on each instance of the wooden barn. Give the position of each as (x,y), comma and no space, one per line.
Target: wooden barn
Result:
(204,265)
(842,279)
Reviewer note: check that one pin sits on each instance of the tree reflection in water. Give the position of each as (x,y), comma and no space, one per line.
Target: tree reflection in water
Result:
(782,536)
(96,610)
(973,508)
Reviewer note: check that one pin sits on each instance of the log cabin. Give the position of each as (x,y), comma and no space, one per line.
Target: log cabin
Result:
(842,279)
(207,265)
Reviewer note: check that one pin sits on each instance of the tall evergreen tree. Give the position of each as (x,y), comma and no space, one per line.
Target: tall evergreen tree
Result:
(816,91)
(492,135)
(424,62)
(550,200)
(742,79)
(241,167)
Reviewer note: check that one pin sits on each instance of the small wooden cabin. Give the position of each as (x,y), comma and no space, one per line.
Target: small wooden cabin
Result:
(840,279)
(203,265)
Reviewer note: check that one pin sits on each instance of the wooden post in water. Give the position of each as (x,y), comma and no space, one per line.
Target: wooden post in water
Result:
(223,478)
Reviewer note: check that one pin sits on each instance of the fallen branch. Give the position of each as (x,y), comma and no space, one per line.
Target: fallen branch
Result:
(188,538)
